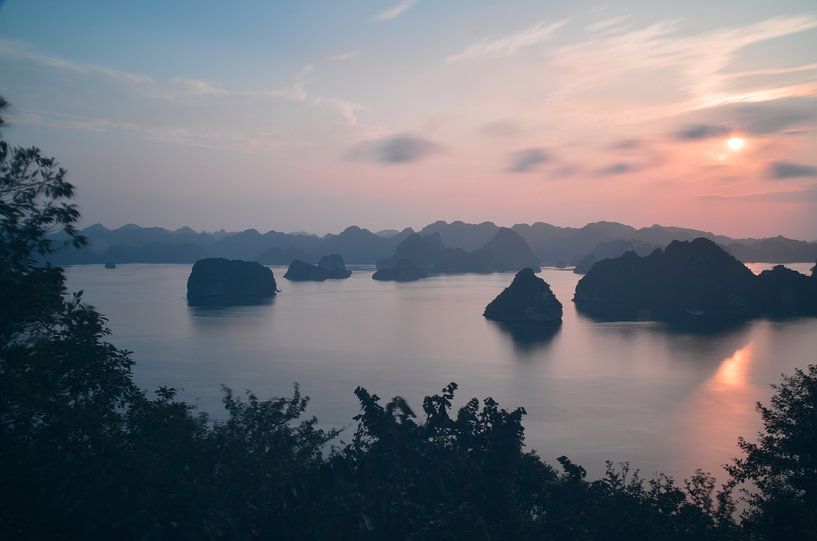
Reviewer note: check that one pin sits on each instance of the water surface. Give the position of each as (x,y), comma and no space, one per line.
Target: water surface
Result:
(663,399)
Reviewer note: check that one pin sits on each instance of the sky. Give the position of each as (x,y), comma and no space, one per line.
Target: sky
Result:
(312,116)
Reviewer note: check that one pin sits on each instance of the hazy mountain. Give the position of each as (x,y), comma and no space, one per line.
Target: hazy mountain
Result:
(773,250)
(283,256)
(610,249)
(155,252)
(505,251)
(458,234)
(550,244)
(250,244)
(358,245)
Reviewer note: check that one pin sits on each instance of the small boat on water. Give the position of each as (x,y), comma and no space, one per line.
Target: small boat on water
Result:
(110,265)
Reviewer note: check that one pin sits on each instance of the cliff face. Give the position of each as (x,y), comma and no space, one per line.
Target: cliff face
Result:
(690,280)
(527,299)
(226,281)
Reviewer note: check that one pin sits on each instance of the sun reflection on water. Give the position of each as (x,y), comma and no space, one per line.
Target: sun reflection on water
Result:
(733,371)
(719,411)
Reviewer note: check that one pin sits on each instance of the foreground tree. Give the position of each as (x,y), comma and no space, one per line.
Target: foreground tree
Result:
(781,467)
(62,387)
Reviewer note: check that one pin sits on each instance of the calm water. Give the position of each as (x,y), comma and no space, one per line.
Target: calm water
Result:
(664,400)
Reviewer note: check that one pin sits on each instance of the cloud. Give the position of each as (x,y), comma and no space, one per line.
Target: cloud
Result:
(181,90)
(606,24)
(342,56)
(626,144)
(563,171)
(395,150)
(347,109)
(783,169)
(395,11)
(213,139)
(508,45)
(618,168)
(758,118)
(773,116)
(13,49)
(501,128)
(693,66)
(527,160)
(696,132)
(806,195)
(171,89)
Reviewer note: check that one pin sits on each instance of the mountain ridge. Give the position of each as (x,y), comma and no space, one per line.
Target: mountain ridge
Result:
(553,245)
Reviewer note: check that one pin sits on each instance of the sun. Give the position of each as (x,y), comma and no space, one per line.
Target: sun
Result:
(735,143)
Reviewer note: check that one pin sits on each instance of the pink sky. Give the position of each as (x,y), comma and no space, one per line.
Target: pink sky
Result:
(416,112)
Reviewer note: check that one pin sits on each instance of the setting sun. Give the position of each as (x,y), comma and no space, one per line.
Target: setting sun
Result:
(736,143)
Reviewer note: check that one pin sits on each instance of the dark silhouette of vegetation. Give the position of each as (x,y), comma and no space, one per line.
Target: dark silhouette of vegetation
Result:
(85,454)
(782,464)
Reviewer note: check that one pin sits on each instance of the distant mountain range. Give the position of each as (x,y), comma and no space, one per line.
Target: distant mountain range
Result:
(427,255)
(552,245)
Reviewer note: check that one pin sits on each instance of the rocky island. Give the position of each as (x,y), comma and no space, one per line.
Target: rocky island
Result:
(419,256)
(691,281)
(785,292)
(330,267)
(334,267)
(402,270)
(218,281)
(527,299)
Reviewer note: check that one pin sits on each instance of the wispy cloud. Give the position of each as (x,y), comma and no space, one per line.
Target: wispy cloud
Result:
(14,49)
(173,88)
(806,195)
(178,89)
(697,63)
(606,24)
(508,45)
(342,56)
(347,109)
(395,11)
(213,139)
